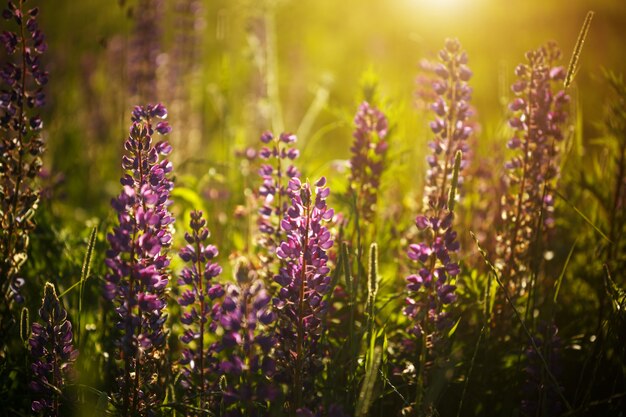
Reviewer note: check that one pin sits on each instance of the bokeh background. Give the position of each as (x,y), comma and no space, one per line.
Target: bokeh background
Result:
(229,70)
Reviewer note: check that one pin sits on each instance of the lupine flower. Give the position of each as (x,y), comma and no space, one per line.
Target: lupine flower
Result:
(368,157)
(304,282)
(138,260)
(451,125)
(198,305)
(540,396)
(246,346)
(184,63)
(538,117)
(145,48)
(53,354)
(273,193)
(22,78)
(430,288)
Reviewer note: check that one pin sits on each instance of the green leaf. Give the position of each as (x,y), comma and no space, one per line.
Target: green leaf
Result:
(557,284)
(453,329)
(190,196)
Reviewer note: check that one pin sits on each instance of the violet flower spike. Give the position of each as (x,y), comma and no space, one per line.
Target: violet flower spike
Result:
(367,163)
(305,281)
(145,48)
(451,126)
(22,79)
(247,346)
(138,260)
(197,302)
(538,115)
(53,354)
(430,288)
(273,192)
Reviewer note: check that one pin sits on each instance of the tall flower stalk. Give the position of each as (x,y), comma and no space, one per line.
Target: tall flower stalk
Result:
(276,173)
(367,162)
(53,352)
(538,116)
(451,126)
(247,345)
(304,282)
(431,290)
(145,48)
(21,146)
(138,261)
(198,362)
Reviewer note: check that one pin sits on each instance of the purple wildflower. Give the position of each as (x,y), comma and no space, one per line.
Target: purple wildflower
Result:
(538,116)
(273,191)
(451,126)
(53,353)
(184,64)
(247,346)
(145,49)
(368,157)
(197,304)
(430,288)
(22,78)
(304,282)
(138,259)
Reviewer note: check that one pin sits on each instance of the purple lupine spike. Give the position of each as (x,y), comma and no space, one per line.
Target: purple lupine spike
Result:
(197,302)
(451,126)
(22,79)
(304,282)
(138,261)
(247,345)
(143,58)
(369,149)
(273,193)
(431,288)
(53,354)
(538,115)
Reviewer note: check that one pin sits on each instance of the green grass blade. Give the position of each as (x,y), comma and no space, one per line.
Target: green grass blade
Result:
(557,284)
(366,396)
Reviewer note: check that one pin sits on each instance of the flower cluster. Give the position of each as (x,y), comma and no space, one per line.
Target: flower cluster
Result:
(197,303)
(273,190)
(21,145)
(451,126)
(247,345)
(538,117)
(138,260)
(145,49)
(368,157)
(430,289)
(304,282)
(53,354)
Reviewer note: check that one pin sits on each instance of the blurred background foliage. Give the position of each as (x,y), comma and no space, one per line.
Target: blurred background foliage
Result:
(300,65)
